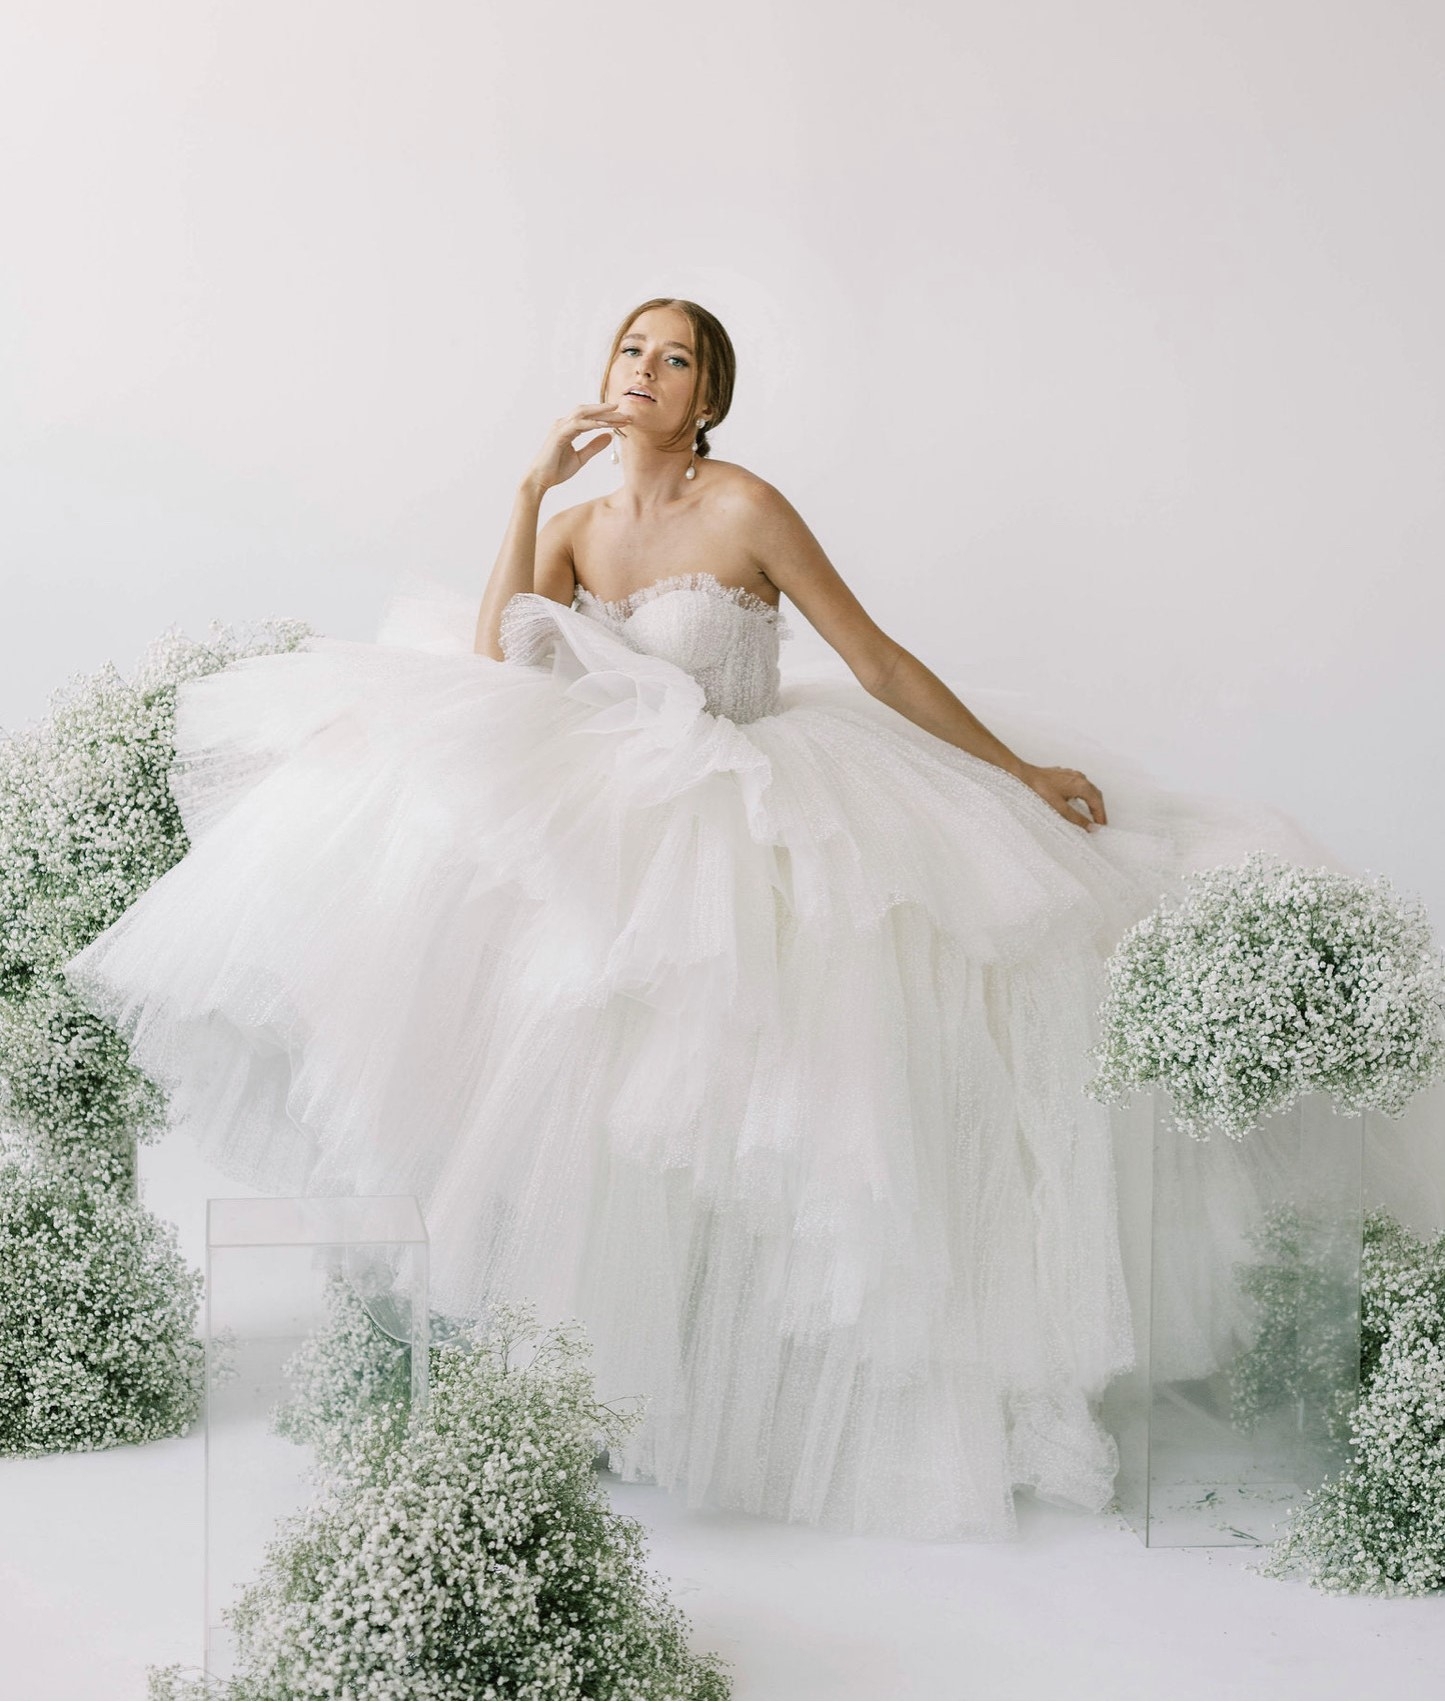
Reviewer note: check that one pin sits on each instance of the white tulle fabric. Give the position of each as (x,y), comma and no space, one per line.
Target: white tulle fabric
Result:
(743,1021)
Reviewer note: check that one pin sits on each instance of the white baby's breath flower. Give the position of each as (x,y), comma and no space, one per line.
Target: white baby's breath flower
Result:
(1266,982)
(87,823)
(97,1315)
(96,1308)
(1379,1527)
(466,1550)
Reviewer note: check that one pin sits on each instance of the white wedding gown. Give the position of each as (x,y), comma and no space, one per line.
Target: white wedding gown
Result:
(745,1023)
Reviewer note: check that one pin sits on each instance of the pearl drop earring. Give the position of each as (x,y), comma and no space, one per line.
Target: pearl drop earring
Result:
(691,472)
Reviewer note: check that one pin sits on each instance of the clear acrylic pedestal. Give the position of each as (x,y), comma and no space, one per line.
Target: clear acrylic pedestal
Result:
(270,1264)
(1242,1260)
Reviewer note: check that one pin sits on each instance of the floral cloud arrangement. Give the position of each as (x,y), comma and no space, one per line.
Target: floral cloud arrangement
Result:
(1378,1528)
(1269,981)
(96,1305)
(96,1313)
(464,1550)
(87,823)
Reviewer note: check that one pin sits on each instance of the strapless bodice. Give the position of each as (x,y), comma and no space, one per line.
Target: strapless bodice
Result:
(725,636)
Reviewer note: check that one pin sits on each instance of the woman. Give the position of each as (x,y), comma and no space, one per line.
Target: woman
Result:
(747,531)
(747,1025)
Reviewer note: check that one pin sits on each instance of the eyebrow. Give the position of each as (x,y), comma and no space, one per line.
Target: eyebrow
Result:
(672,343)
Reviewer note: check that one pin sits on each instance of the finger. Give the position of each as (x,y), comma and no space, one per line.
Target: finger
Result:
(597,445)
(1083,790)
(1070,814)
(1087,793)
(577,427)
(570,425)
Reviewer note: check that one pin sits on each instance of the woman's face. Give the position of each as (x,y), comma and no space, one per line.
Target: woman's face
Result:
(655,357)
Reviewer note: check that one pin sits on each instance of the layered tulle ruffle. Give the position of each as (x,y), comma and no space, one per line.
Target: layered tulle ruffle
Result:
(758,1048)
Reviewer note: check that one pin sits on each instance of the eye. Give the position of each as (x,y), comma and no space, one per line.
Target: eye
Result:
(678,358)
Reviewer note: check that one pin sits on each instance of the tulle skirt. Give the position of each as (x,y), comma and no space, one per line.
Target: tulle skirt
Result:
(756,1049)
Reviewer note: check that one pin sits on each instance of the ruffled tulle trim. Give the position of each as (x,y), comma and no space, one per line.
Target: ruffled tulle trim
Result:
(620,608)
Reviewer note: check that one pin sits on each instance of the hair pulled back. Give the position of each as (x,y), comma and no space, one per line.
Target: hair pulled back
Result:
(714,367)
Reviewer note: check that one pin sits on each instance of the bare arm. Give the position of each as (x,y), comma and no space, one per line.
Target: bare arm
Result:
(514,569)
(527,560)
(794,560)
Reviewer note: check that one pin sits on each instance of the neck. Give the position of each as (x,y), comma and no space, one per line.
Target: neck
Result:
(652,478)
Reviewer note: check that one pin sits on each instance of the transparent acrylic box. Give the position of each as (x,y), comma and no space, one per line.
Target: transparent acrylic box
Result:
(270,1266)
(1242,1259)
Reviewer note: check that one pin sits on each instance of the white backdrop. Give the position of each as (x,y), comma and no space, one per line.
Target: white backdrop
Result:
(1100,344)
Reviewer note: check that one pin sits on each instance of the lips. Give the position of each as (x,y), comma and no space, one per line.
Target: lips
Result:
(639,395)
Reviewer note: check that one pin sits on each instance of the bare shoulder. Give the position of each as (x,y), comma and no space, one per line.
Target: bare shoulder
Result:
(783,548)
(757,512)
(554,572)
(735,484)
(761,518)
(567,521)
(560,536)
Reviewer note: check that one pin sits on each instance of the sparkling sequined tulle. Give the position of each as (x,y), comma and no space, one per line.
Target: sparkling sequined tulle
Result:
(743,1021)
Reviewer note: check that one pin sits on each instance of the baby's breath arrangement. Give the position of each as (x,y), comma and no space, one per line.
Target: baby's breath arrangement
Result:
(1379,1527)
(1303,1345)
(466,1550)
(96,1305)
(96,1315)
(347,1369)
(87,823)
(68,1087)
(1268,981)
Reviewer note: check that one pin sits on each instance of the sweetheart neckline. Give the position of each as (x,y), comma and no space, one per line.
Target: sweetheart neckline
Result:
(700,581)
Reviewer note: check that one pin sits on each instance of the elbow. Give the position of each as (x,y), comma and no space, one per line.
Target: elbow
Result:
(877,671)
(487,640)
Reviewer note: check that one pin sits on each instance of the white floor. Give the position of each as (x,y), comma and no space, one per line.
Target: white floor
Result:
(100,1573)
(100,1559)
